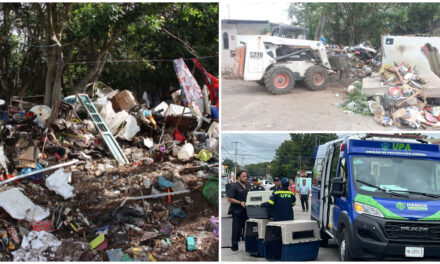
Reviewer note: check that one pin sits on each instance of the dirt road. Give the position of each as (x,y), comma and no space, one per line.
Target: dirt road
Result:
(249,106)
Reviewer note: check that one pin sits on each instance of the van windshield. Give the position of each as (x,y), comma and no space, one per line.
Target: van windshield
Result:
(412,177)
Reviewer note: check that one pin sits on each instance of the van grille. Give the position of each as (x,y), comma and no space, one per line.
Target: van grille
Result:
(399,230)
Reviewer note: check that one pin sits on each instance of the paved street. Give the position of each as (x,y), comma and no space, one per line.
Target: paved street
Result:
(325,254)
(249,106)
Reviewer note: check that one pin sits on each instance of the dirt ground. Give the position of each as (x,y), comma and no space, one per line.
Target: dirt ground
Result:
(249,106)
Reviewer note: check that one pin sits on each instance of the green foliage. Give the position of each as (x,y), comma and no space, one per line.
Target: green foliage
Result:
(297,153)
(257,169)
(230,165)
(129,31)
(357,102)
(352,23)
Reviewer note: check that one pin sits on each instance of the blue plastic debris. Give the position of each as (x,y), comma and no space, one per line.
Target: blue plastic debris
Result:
(164,183)
(190,243)
(176,212)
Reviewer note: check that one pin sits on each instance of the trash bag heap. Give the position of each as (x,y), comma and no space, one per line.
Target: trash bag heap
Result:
(104,178)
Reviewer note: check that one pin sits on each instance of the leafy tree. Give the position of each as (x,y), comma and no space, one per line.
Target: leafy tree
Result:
(352,23)
(58,48)
(229,164)
(297,153)
(257,169)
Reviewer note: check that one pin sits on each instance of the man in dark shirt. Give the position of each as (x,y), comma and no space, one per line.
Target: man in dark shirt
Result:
(237,197)
(255,186)
(277,184)
(282,201)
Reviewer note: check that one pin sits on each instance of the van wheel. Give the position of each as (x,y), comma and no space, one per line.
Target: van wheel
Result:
(279,80)
(344,253)
(316,78)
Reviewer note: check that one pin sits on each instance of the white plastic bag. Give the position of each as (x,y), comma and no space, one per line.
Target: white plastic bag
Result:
(59,183)
(186,152)
(19,206)
(130,129)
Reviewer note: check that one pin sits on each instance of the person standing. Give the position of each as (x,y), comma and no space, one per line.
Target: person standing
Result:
(237,198)
(277,183)
(255,186)
(304,191)
(291,185)
(282,201)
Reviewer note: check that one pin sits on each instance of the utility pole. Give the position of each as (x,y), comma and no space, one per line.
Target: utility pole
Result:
(235,163)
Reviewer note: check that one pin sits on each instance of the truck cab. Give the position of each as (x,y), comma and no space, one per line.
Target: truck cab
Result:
(378,196)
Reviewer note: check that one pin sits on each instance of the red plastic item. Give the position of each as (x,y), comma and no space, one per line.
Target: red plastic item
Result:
(178,136)
(57,155)
(44,225)
(211,82)
(103,245)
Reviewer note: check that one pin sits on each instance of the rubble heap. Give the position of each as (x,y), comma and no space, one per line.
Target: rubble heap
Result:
(65,196)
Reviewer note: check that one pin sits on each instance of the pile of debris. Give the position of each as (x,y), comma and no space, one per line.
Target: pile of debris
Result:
(404,105)
(354,62)
(108,179)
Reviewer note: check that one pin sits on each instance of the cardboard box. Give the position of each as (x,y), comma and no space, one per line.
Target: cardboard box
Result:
(124,100)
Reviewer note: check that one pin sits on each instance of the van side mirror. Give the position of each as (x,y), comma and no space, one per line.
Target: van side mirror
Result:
(338,187)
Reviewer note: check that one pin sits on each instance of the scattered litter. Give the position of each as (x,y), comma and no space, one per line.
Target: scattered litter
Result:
(104,176)
(37,246)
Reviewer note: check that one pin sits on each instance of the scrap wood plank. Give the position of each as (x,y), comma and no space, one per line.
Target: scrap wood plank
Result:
(372,85)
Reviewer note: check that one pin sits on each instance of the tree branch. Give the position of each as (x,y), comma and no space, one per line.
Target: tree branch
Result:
(184,42)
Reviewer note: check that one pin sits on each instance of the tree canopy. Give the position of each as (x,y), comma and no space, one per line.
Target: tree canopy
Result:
(57,49)
(352,23)
(292,155)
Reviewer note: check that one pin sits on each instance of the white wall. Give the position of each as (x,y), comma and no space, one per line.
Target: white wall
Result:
(227,60)
(397,49)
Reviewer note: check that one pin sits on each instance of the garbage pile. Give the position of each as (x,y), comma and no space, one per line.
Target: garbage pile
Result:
(109,179)
(405,104)
(354,62)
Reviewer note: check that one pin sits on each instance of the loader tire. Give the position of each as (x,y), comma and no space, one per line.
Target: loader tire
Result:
(279,80)
(316,78)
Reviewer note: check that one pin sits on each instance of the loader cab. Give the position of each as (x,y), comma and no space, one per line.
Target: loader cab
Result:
(378,197)
(287,31)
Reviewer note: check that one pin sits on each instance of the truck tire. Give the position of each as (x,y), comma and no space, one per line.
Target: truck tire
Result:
(316,78)
(279,80)
(344,252)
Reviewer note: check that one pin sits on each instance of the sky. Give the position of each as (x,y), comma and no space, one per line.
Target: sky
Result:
(260,147)
(255,147)
(268,10)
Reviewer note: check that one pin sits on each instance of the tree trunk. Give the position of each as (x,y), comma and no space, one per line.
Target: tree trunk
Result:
(49,78)
(56,89)
(321,22)
(91,74)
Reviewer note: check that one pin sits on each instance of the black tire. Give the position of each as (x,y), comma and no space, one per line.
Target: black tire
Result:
(324,239)
(279,80)
(344,253)
(261,82)
(316,78)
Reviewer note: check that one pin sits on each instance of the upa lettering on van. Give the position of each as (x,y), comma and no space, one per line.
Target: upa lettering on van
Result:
(401,146)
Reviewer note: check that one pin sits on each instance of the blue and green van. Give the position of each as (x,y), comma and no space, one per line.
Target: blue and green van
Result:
(378,196)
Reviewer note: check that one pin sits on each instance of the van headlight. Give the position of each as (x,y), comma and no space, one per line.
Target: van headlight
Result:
(366,209)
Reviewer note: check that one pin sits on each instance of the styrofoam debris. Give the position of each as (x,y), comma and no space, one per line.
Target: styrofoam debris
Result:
(59,183)
(19,206)
(34,244)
